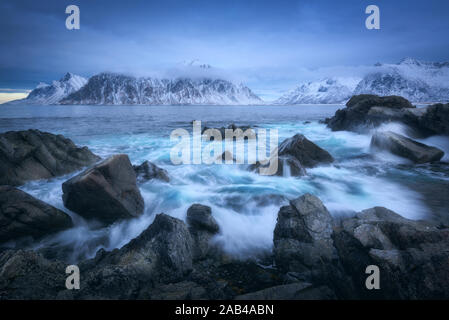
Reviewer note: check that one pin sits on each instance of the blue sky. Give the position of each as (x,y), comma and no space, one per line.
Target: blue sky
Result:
(269,45)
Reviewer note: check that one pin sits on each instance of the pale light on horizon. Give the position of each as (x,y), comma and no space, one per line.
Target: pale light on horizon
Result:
(10,96)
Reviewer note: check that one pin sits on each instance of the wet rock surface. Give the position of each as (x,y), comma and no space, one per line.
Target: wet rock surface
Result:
(147,171)
(107,192)
(364,112)
(22,215)
(314,257)
(405,147)
(33,154)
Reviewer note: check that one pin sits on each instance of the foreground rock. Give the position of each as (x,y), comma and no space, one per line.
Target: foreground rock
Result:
(106,192)
(315,258)
(147,171)
(305,151)
(33,154)
(405,147)
(22,215)
(28,275)
(412,256)
(303,247)
(364,112)
(202,227)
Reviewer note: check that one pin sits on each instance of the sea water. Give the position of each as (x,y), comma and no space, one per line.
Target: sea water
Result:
(244,203)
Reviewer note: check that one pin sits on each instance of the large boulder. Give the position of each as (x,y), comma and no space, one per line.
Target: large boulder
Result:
(305,151)
(302,236)
(355,116)
(203,227)
(405,147)
(295,154)
(163,253)
(106,192)
(33,154)
(413,256)
(22,215)
(365,112)
(147,171)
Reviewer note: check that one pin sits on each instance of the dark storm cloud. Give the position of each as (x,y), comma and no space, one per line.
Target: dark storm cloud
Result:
(267,43)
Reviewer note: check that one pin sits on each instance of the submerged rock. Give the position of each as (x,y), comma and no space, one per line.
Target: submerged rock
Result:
(22,215)
(203,227)
(405,147)
(106,192)
(148,171)
(33,154)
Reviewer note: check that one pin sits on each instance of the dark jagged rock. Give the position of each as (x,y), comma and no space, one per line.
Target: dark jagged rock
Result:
(302,236)
(305,151)
(364,112)
(316,258)
(366,101)
(405,147)
(148,171)
(436,119)
(33,154)
(203,227)
(106,192)
(412,255)
(163,253)
(28,275)
(355,115)
(22,215)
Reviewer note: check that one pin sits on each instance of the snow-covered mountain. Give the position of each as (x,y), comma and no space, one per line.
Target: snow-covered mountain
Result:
(412,79)
(329,90)
(119,89)
(55,92)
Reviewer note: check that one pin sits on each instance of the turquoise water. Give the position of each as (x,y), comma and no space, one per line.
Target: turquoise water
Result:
(244,203)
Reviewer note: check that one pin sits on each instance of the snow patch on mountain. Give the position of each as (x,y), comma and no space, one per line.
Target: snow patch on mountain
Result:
(325,91)
(412,79)
(119,89)
(45,94)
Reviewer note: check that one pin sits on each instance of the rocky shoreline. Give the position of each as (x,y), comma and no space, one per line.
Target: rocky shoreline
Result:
(313,256)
